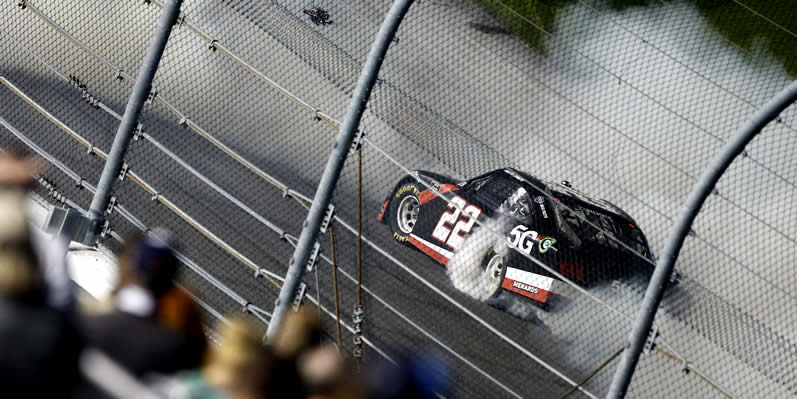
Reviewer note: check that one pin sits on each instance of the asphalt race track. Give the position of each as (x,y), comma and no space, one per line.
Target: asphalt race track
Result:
(453,99)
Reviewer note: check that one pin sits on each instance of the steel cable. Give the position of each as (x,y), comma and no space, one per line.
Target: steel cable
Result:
(335,282)
(233,252)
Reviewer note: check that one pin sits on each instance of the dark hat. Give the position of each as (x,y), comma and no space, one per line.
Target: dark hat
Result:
(155,262)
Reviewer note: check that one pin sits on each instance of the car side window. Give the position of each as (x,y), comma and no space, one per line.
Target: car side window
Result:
(491,191)
(477,183)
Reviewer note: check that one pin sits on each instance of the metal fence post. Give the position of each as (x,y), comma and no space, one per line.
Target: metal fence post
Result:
(336,160)
(702,189)
(141,90)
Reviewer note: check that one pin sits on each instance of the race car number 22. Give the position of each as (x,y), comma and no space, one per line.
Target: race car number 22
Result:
(454,237)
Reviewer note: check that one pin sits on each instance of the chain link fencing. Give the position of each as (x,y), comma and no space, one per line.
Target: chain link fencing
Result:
(627,102)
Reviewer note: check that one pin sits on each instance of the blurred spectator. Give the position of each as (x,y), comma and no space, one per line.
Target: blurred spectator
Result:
(39,345)
(421,376)
(328,375)
(16,178)
(241,366)
(17,169)
(144,333)
(299,331)
(178,311)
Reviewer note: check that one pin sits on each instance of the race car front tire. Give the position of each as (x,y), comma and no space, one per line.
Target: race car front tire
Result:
(403,210)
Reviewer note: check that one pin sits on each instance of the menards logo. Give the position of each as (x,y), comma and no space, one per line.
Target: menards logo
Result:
(525,287)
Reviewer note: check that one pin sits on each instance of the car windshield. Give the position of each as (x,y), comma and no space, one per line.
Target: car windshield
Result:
(518,205)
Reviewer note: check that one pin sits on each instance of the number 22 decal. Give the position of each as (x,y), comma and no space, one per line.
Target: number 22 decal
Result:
(455,237)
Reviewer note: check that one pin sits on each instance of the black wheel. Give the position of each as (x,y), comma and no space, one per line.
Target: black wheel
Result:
(403,211)
(494,266)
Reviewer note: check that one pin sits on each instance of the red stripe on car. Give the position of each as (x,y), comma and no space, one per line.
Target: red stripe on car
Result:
(428,251)
(382,213)
(427,195)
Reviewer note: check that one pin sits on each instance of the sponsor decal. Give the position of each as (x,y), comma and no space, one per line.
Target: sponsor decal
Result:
(407,188)
(399,237)
(544,212)
(545,243)
(523,239)
(382,212)
(531,285)
(539,199)
(525,287)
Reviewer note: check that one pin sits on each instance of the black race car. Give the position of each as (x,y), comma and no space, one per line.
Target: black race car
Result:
(588,241)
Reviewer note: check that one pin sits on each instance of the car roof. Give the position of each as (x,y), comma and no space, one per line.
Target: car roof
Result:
(530,182)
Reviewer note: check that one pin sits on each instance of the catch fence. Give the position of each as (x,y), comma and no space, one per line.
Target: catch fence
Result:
(627,103)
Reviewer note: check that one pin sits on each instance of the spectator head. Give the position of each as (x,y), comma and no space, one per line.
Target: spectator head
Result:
(20,275)
(326,374)
(299,331)
(240,366)
(17,169)
(154,262)
(419,376)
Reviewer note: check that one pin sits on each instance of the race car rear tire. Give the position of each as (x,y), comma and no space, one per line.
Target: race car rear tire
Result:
(494,266)
(403,210)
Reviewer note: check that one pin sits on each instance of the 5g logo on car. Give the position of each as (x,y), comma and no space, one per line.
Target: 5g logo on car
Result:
(524,239)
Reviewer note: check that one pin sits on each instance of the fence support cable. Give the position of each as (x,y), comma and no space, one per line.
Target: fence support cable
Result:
(337,158)
(120,74)
(170,205)
(180,116)
(52,118)
(256,312)
(240,61)
(593,373)
(156,195)
(134,177)
(758,14)
(701,190)
(703,26)
(417,327)
(698,74)
(191,221)
(497,234)
(148,188)
(645,203)
(122,211)
(147,137)
(335,283)
(618,77)
(528,256)
(140,225)
(141,90)
(359,313)
(639,144)
(127,215)
(686,365)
